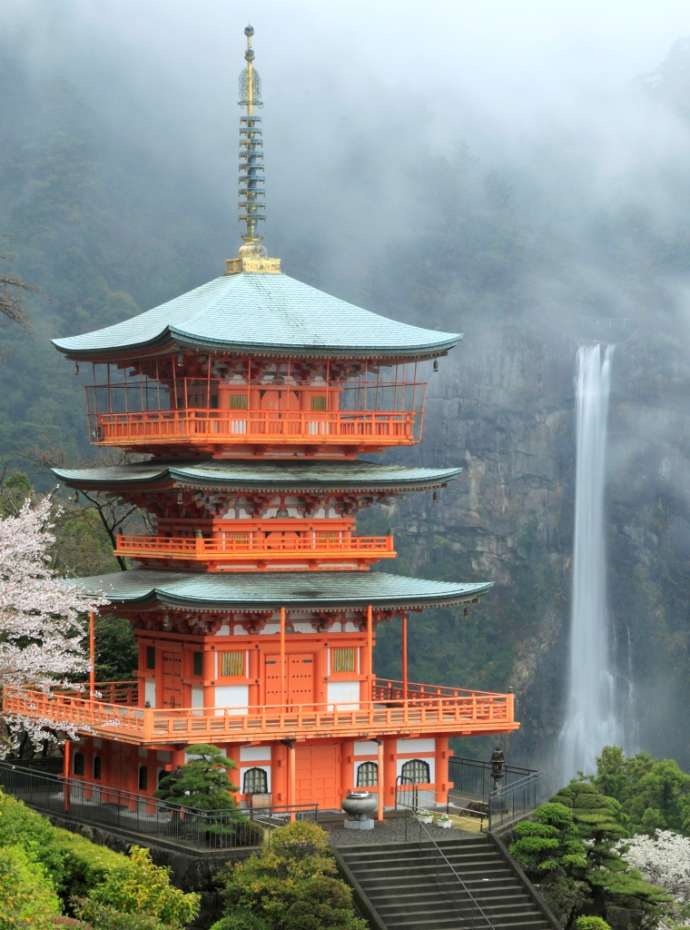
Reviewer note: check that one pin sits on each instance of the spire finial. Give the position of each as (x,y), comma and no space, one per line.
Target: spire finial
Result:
(252,253)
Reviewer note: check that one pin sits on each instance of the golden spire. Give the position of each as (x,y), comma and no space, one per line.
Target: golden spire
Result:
(252,253)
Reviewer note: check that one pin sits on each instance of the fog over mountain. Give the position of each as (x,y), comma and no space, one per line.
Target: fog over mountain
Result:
(516,171)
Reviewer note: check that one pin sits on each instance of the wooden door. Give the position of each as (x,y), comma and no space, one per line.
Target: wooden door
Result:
(272,695)
(300,679)
(317,775)
(300,686)
(171,664)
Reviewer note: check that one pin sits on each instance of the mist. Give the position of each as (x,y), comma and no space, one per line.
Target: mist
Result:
(516,172)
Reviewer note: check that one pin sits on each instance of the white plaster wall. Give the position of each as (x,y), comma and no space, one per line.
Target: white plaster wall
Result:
(417,746)
(366,747)
(150,691)
(343,694)
(233,697)
(255,754)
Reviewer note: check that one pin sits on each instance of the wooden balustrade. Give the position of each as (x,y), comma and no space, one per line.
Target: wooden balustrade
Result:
(271,546)
(462,712)
(212,426)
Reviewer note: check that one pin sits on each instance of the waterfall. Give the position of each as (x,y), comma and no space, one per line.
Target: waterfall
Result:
(591,717)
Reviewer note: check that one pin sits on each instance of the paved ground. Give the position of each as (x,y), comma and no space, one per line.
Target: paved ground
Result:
(392,830)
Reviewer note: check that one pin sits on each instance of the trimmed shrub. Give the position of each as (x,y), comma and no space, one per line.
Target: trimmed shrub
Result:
(84,864)
(27,895)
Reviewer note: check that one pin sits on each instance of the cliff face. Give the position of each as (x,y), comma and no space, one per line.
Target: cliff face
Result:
(503,406)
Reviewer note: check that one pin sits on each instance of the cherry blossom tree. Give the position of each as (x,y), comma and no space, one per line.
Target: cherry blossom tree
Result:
(663,859)
(42,619)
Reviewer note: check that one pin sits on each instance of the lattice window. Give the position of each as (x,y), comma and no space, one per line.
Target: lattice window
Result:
(97,768)
(78,764)
(239,402)
(255,781)
(343,659)
(231,664)
(319,402)
(198,663)
(143,778)
(416,771)
(367,775)
(150,657)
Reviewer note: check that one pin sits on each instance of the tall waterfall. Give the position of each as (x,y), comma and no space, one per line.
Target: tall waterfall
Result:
(591,719)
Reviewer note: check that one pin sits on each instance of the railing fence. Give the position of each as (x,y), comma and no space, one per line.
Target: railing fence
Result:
(505,799)
(101,805)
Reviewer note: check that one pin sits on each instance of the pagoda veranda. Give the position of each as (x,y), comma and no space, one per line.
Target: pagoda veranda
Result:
(252,601)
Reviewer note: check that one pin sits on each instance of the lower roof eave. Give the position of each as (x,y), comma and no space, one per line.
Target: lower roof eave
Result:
(260,591)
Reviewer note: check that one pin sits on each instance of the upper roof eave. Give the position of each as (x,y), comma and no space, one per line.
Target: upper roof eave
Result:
(170,341)
(260,314)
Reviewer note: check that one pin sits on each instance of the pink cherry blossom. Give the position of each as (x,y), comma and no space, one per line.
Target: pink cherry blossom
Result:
(42,619)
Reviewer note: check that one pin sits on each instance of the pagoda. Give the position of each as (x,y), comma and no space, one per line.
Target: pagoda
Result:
(255,610)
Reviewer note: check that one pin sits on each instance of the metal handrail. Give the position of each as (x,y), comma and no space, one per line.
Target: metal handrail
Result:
(459,878)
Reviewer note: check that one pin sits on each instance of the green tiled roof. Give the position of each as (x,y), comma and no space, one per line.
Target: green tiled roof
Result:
(262,313)
(288,476)
(262,590)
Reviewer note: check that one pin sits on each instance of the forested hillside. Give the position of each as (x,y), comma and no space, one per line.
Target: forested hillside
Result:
(116,193)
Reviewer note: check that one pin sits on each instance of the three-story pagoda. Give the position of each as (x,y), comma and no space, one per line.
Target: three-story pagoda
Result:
(252,601)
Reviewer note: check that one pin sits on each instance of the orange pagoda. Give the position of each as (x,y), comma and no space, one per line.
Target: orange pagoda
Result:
(254,607)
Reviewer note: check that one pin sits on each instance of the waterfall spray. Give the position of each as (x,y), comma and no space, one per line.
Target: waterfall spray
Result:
(591,720)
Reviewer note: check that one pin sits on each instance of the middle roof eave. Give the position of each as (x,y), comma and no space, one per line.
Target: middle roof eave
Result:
(285,476)
(269,590)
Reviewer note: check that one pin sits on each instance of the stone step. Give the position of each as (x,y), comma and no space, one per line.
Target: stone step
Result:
(434,865)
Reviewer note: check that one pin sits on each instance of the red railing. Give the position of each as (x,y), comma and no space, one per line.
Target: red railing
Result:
(209,426)
(461,712)
(246,545)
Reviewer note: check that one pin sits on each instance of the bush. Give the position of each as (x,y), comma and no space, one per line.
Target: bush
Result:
(591,923)
(138,887)
(104,917)
(290,885)
(28,900)
(241,920)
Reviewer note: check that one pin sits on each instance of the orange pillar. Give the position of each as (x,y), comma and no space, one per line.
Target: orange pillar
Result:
(208,673)
(381,780)
(292,772)
(92,655)
(66,772)
(283,694)
(370,650)
(404,655)
(442,756)
(389,774)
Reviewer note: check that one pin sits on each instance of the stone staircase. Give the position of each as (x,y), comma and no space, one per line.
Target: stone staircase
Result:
(465,884)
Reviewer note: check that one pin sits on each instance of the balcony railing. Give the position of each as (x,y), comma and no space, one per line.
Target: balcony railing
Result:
(245,546)
(203,426)
(457,711)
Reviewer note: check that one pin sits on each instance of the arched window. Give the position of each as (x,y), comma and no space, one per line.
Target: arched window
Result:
(416,771)
(78,765)
(143,778)
(97,768)
(255,782)
(367,774)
